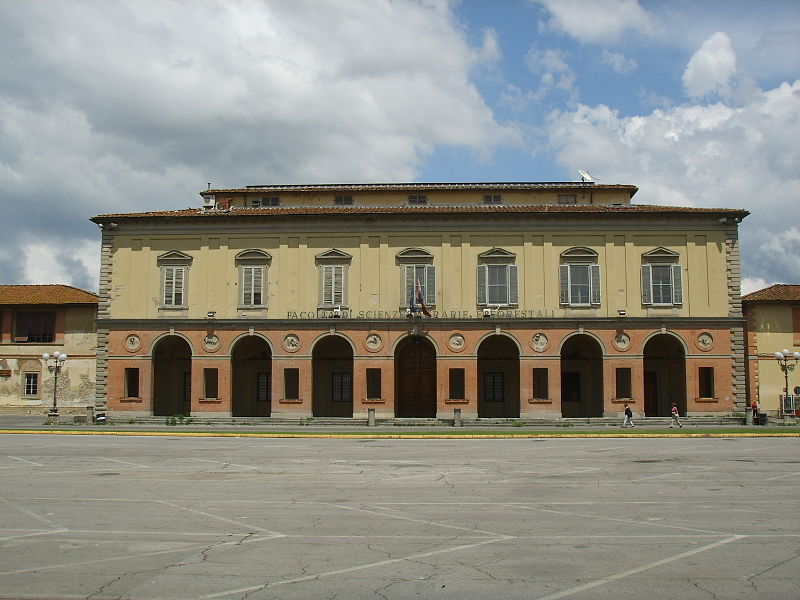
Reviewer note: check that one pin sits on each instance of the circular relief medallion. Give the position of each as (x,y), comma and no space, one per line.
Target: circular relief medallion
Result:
(539,342)
(291,343)
(704,341)
(211,342)
(456,342)
(373,342)
(622,341)
(133,342)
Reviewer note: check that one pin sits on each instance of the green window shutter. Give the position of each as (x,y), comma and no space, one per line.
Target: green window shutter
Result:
(647,290)
(513,285)
(594,271)
(564,284)
(677,284)
(430,284)
(482,278)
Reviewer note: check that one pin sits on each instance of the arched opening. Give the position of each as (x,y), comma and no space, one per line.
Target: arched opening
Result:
(581,377)
(251,378)
(172,377)
(332,363)
(415,377)
(664,375)
(498,378)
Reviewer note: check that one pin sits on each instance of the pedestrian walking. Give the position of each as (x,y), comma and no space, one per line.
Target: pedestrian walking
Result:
(754,406)
(628,422)
(676,420)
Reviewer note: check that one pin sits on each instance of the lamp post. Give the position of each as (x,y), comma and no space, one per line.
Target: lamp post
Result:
(787,362)
(55,368)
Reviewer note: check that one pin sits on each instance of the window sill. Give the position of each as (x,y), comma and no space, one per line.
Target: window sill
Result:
(456,401)
(373,401)
(210,400)
(130,400)
(290,401)
(539,401)
(706,400)
(622,401)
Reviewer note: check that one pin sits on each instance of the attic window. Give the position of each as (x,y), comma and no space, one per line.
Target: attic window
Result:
(260,202)
(567,199)
(418,199)
(343,200)
(492,199)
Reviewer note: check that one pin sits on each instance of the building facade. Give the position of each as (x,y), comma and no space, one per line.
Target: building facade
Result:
(772,318)
(502,300)
(39,319)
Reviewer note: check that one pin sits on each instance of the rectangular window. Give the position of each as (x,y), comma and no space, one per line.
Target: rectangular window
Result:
(332,285)
(252,285)
(259,202)
(341,387)
(580,284)
(706,382)
(418,199)
(264,387)
(494,387)
(131,383)
(497,285)
(426,275)
(291,384)
(173,284)
(492,199)
(343,200)
(567,199)
(662,285)
(541,384)
(623,381)
(30,384)
(457,384)
(211,383)
(35,327)
(373,383)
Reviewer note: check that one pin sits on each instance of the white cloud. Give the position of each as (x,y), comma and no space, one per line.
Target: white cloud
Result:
(555,73)
(129,106)
(703,155)
(753,284)
(711,69)
(618,61)
(598,21)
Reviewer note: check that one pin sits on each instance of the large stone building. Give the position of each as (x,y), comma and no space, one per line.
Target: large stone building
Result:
(772,325)
(546,300)
(39,319)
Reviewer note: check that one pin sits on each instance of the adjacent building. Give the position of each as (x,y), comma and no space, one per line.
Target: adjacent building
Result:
(499,300)
(772,325)
(39,319)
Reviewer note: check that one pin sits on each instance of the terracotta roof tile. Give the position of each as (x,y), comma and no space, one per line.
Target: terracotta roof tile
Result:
(537,209)
(45,294)
(423,187)
(780,292)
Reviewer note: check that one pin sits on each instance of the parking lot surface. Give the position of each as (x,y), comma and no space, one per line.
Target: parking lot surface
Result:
(201,517)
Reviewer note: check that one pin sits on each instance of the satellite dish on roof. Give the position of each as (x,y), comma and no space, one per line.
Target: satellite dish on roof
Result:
(585,177)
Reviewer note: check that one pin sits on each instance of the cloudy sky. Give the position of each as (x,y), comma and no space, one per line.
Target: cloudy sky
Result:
(125,106)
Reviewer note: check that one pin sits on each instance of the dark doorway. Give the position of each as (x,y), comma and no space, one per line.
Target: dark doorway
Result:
(665,375)
(498,378)
(581,377)
(332,363)
(415,376)
(251,378)
(172,377)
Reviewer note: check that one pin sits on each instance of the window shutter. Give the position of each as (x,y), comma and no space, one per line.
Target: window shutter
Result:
(408,285)
(677,284)
(247,286)
(513,285)
(647,290)
(482,277)
(327,285)
(341,287)
(564,284)
(594,271)
(258,286)
(430,284)
(169,285)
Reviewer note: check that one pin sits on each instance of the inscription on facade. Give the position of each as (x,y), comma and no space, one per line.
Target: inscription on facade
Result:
(543,313)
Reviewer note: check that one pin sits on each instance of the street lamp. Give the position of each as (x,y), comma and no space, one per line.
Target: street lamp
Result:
(787,362)
(55,368)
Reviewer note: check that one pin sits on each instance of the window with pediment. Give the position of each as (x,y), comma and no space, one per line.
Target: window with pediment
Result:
(497,278)
(174,266)
(579,278)
(333,266)
(417,270)
(662,278)
(252,265)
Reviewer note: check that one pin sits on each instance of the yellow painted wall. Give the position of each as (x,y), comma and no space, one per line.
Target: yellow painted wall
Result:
(773,333)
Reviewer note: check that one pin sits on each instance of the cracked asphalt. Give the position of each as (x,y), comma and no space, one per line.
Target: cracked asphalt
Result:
(106,517)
